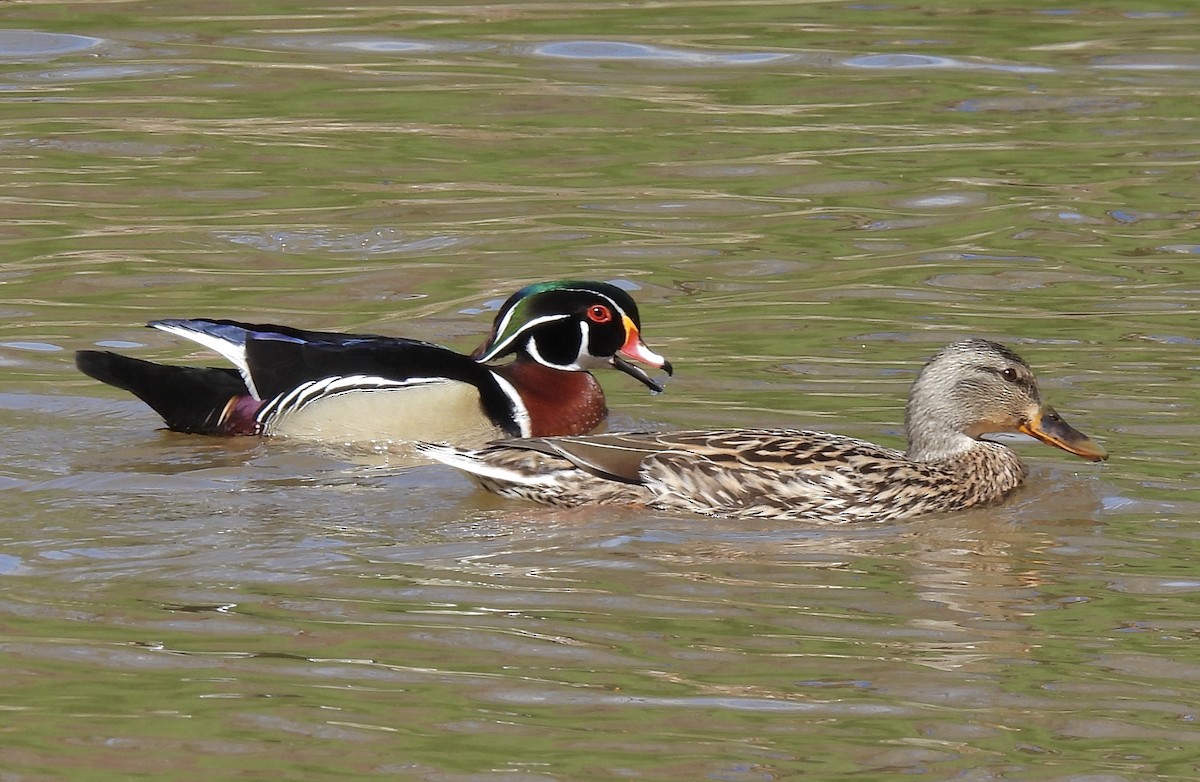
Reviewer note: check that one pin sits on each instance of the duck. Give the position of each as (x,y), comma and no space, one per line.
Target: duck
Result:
(348,388)
(967,391)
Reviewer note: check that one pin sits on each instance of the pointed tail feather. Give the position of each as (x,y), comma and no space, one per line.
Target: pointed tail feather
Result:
(196,400)
(473,463)
(519,469)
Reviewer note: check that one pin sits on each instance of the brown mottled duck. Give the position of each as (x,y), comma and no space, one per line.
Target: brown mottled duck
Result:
(968,390)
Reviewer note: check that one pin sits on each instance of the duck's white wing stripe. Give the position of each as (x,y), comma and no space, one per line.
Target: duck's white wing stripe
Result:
(234,351)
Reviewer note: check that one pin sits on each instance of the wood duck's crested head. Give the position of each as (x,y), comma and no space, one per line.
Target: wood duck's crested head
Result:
(574,326)
(976,387)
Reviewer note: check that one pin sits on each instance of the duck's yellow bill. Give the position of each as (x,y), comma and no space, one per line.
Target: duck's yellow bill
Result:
(1049,427)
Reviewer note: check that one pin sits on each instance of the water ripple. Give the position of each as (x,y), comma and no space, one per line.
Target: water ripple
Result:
(924,61)
(362,43)
(624,50)
(378,242)
(1148,62)
(31,44)
(106,72)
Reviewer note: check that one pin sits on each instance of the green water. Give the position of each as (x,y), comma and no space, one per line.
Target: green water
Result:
(807,198)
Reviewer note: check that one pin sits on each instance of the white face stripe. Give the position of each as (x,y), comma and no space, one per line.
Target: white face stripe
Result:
(615,306)
(531,349)
(504,323)
(499,347)
(585,331)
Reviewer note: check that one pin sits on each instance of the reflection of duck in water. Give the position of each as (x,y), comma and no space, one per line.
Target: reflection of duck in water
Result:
(360,387)
(967,390)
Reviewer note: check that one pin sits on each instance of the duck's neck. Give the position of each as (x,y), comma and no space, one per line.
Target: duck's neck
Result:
(979,470)
(943,445)
(559,402)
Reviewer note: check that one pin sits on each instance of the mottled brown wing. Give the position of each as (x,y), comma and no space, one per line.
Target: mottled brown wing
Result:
(615,457)
(774,449)
(621,456)
(784,474)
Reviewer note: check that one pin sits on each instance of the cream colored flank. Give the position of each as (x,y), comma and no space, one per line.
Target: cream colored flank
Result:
(445,410)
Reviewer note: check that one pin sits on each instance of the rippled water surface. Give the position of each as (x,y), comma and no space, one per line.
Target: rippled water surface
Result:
(806,199)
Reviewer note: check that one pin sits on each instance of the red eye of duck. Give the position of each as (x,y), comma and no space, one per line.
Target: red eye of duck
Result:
(598,313)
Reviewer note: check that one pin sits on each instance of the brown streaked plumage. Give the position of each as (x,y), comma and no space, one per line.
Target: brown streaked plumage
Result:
(969,389)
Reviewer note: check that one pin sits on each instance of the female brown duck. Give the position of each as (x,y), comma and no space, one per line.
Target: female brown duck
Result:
(967,390)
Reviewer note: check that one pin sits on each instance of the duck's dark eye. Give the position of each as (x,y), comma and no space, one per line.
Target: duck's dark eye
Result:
(1009,374)
(598,313)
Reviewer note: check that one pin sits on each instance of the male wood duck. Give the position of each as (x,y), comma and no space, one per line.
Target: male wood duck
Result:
(969,389)
(364,387)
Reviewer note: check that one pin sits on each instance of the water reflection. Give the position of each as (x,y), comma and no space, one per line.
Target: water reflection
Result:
(920,61)
(34,44)
(361,43)
(380,241)
(105,73)
(622,50)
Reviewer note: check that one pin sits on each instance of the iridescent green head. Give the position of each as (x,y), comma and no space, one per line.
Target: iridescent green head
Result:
(572,325)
